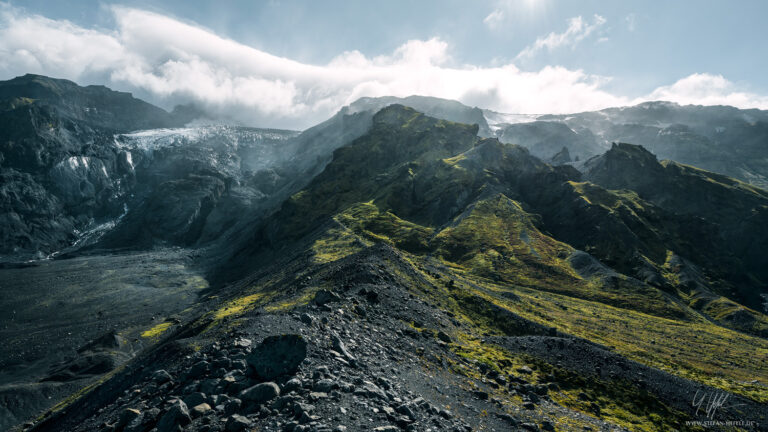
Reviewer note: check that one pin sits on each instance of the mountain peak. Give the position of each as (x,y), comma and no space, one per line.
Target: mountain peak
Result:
(435,107)
(622,165)
(632,151)
(94,105)
(395,115)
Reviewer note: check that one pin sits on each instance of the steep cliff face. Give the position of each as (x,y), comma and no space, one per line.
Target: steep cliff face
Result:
(73,168)
(57,144)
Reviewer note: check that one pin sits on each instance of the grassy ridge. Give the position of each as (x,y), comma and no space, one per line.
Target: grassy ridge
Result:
(463,212)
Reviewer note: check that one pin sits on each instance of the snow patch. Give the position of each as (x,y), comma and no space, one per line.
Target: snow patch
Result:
(153,139)
(497,120)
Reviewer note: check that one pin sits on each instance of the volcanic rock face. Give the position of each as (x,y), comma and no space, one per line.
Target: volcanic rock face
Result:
(71,170)
(57,152)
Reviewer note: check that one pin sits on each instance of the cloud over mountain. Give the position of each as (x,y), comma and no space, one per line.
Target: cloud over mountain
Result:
(170,61)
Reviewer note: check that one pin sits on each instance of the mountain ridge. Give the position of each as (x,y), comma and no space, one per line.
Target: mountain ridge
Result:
(386,242)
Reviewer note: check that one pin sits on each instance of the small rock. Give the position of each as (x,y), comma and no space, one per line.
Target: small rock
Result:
(195,399)
(232,406)
(239,365)
(200,409)
(291,385)
(301,408)
(508,418)
(443,336)
(525,370)
(307,418)
(161,376)
(339,346)
(406,410)
(324,386)
(209,386)
(177,415)
(242,342)
(198,369)
(127,416)
(237,423)
(260,393)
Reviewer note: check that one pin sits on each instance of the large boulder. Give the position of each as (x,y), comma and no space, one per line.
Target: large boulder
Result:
(278,356)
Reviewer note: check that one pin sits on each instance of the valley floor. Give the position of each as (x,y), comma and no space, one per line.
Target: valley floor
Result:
(53,309)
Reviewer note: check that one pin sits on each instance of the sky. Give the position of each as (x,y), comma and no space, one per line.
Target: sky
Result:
(292,64)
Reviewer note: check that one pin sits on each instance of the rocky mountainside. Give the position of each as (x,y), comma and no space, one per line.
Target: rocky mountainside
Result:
(91,187)
(60,169)
(721,139)
(78,161)
(431,279)
(545,139)
(393,268)
(73,169)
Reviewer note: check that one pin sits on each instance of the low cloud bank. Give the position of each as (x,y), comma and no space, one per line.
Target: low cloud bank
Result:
(176,62)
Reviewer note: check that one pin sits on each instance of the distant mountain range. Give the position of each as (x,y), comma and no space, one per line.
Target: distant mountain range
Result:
(721,139)
(409,263)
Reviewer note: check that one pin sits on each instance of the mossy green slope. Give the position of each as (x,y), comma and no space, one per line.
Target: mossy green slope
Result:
(493,222)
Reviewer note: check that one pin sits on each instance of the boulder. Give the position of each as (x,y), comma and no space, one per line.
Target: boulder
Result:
(177,415)
(278,356)
(237,423)
(260,393)
(324,297)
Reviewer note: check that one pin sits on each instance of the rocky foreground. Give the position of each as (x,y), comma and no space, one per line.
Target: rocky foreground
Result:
(373,353)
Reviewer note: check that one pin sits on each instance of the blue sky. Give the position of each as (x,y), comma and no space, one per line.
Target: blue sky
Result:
(292,63)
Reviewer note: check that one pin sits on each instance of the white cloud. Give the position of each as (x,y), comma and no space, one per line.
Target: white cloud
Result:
(578,30)
(170,62)
(707,89)
(507,12)
(494,19)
